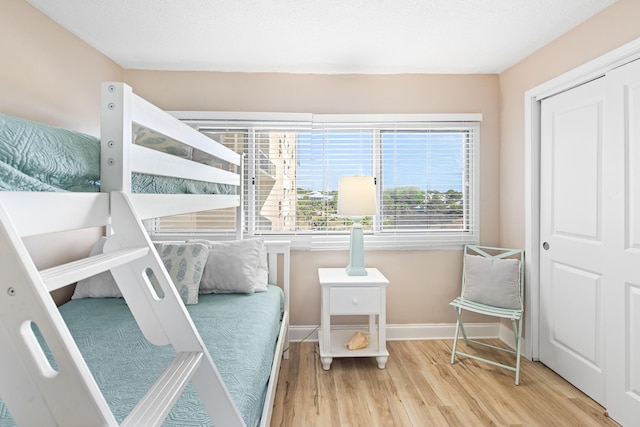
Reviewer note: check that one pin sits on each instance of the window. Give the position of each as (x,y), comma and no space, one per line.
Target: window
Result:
(425,168)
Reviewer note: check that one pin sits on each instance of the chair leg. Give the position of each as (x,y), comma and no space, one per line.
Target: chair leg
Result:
(459,328)
(464,332)
(455,342)
(518,335)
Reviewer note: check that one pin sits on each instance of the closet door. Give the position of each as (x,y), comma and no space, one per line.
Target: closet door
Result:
(572,259)
(622,296)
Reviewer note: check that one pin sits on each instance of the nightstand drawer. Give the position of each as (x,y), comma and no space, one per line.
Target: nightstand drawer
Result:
(354,300)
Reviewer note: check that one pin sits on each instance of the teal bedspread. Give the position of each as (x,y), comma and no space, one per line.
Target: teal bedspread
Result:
(240,331)
(39,157)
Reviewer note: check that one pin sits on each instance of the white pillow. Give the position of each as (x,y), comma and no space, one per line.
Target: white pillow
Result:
(101,285)
(262,274)
(237,266)
(492,281)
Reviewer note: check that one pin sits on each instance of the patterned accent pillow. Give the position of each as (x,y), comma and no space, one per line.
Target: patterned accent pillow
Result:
(185,263)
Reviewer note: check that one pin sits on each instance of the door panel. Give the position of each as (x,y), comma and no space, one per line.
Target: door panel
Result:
(622,299)
(631,136)
(632,356)
(572,268)
(576,312)
(575,171)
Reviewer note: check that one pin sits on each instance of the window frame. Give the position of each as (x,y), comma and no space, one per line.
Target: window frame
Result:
(376,239)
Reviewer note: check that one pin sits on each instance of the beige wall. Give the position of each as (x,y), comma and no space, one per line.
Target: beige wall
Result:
(613,27)
(51,76)
(422,282)
(47,73)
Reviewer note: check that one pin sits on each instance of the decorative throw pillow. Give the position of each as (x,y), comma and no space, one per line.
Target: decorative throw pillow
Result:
(492,281)
(101,285)
(233,267)
(185,264)
(262,272)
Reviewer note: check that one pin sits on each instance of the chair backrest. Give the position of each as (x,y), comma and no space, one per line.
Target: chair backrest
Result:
(498,254)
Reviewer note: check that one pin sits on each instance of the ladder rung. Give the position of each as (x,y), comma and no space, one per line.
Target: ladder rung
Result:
(65,274)
(156,404)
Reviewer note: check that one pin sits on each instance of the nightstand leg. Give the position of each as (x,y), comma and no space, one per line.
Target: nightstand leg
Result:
(326,362)
(325,336)
(382,361)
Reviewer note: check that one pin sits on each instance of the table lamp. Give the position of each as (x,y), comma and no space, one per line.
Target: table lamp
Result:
(356,199)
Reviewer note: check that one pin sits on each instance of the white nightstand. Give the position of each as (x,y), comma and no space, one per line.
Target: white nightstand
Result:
(349,295)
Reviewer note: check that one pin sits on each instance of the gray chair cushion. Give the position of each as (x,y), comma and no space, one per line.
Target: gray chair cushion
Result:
(492,281)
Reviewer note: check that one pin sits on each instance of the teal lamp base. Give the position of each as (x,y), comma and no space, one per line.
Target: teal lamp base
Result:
(356,250)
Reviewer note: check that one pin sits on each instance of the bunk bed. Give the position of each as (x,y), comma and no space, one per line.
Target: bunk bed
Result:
(94,360)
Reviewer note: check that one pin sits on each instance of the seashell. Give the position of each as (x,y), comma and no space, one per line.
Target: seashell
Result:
(358,340)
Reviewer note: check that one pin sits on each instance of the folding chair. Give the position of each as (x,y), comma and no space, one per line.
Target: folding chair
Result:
(492,284)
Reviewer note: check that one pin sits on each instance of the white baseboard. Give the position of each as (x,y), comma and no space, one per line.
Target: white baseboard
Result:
(424,331)
(406,332)
(507,336)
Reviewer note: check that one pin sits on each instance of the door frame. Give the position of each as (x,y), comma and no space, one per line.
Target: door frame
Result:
(532,105)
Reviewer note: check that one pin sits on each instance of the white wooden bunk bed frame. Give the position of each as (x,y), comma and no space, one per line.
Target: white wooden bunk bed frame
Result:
(35,393)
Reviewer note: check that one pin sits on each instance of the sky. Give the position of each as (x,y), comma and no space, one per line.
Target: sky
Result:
(432,161)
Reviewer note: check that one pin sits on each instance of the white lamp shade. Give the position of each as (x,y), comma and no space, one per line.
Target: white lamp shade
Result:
(356,196)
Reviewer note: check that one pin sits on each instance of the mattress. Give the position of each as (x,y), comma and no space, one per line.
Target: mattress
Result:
(240,331)
(39,157)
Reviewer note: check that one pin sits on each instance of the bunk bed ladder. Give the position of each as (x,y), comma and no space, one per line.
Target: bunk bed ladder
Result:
(41,393)
(163,319)
(38,391)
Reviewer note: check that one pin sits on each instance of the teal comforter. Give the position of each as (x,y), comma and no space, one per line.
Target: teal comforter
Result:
(39,157)
(240,331)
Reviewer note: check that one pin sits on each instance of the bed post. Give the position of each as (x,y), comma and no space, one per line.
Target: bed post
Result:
(115,135)
(240,208)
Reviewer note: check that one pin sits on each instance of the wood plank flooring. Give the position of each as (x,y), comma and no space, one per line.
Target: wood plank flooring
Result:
(420,387)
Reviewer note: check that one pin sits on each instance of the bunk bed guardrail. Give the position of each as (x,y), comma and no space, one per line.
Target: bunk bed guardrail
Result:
(123,111)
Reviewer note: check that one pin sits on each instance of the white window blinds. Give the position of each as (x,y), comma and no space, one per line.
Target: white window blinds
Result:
(425,169)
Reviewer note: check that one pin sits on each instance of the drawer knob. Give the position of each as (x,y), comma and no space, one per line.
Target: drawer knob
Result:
(356,301)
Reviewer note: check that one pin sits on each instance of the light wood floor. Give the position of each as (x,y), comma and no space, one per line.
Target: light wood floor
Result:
(420,387)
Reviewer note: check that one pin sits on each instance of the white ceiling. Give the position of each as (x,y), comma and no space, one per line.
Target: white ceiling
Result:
(320,36)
